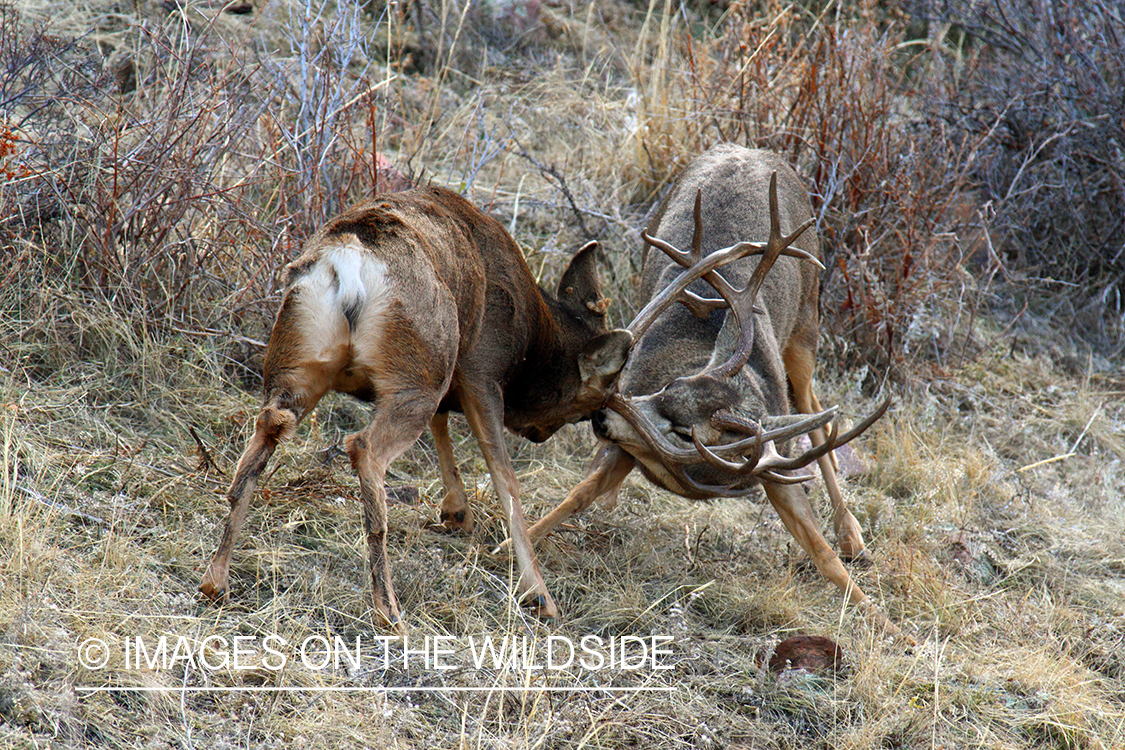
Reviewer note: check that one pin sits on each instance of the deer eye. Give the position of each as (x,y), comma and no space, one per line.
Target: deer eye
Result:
(684,433)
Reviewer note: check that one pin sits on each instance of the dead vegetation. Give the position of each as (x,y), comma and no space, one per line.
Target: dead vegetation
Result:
(162,161)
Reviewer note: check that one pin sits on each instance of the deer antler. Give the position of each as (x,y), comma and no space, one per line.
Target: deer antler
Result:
(755,455)
(672,458)
(742,300)
(766,462)
(698,267)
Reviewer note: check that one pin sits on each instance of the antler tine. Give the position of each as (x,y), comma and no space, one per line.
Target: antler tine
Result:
(785,432)
(667,452)
(699,267)
(802,426)
(765,467)
(773,476)
(705,269)
(734,252)
(674,291)
(702,307)
(776,242)
(750,465)
(672,458)
(776,462)
(740,468)
(725,420)
(719,455)
(833,442)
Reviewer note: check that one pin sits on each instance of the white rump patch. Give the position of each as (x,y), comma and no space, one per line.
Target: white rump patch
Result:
(361,278)
(347,261)
(342,302)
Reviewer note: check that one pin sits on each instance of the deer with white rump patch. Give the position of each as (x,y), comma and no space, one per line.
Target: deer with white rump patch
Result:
(420,304)
(705,402)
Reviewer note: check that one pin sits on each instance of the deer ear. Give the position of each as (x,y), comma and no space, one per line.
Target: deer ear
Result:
(579,286)
(601,361)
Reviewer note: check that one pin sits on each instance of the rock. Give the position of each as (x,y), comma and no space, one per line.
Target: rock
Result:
(810,653)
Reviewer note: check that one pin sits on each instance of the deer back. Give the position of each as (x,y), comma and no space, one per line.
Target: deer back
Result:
(734,182)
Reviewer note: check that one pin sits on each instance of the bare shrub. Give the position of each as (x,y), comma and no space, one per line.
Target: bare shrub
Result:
(178,201)
(883,181)
(1040,85)
(325,88)
(40,75)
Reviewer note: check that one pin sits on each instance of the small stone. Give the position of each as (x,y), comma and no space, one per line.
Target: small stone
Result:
(811,653)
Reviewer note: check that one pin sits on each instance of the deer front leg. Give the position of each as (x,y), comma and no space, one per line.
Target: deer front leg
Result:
(456,515)
(792,505)
(799,362)
(849,535)
(607,471)
(483,413)
(606,492)
(272,426)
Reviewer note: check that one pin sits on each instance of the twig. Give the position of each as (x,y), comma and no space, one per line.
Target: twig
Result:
(1045,461)
(53,505)
(205,462)
(551,173)
(1086,429)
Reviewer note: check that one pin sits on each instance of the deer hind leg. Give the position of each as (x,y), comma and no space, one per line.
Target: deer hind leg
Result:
(799,362)
(308,348)
(276,422)
(400,419)
(456,515)
(409,372)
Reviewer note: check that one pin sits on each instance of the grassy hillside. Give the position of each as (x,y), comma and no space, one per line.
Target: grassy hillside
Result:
(161,163)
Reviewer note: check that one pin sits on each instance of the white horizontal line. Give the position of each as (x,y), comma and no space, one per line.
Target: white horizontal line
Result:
(376,689)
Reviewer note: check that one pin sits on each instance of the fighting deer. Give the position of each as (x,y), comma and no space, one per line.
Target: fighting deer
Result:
(705,400)
(421,305)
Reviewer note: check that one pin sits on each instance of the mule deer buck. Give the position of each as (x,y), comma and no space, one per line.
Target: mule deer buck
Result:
(705,399)
(420,304)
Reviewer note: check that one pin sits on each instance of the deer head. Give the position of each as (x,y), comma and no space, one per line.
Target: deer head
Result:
(575,372)
(716,430)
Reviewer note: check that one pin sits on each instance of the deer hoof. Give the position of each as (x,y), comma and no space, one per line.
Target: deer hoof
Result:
(859,559)
(213,592)
(461,520)
(391,622)
(541,606)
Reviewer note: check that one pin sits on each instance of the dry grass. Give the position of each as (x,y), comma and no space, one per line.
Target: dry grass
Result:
(141,276)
